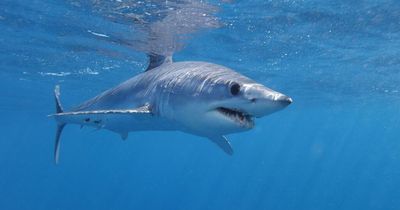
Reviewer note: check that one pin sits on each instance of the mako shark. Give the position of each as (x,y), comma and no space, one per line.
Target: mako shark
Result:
(199,98)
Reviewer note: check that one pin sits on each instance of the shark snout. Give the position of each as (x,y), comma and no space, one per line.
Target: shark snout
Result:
(265,101)
(284,100)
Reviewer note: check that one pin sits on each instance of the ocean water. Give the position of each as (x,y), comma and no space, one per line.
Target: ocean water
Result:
(336,147)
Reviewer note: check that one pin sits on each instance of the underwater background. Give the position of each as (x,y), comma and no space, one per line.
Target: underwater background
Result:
(336,147)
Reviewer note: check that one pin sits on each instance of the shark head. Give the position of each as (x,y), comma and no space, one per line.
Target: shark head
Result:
(245,101)
(220,101)
(234,105)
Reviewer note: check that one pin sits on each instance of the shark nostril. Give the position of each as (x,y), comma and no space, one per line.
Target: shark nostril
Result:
(253,100)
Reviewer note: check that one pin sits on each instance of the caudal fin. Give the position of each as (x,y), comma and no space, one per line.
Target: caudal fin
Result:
(60,128)
(60,125)
(59,108)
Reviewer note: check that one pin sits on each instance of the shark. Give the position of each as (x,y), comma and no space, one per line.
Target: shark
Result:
(199,98)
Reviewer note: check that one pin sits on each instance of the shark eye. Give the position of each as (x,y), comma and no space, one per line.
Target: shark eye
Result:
(235,89)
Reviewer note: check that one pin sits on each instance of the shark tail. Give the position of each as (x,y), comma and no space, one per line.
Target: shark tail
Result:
(60,125)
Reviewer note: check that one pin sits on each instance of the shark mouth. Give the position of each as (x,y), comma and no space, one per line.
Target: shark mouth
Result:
(242,118)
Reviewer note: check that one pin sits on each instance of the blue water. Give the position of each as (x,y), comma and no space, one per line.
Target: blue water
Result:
(336,147)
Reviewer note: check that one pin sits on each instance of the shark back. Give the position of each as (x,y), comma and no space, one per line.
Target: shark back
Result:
(183,79)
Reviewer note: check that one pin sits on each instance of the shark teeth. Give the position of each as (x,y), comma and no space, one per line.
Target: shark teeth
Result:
(242,118)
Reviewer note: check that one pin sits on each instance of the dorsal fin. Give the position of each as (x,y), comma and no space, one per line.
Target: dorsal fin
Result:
(158,60)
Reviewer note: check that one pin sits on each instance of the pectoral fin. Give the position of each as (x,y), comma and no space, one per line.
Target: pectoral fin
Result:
(223,143)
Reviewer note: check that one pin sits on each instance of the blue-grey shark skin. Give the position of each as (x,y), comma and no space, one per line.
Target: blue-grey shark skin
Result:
(199,98)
